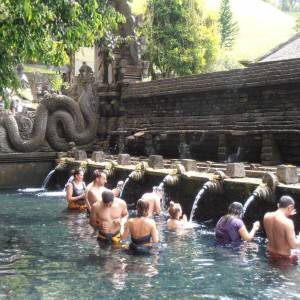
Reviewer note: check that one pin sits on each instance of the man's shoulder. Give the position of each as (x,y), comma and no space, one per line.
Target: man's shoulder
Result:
(120,201)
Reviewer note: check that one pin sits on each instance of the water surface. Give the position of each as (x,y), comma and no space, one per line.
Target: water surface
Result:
(48,253)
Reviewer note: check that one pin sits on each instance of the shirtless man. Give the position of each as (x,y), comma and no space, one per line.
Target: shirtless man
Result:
(109,216)
(154,200)
(95,189)
(280,230)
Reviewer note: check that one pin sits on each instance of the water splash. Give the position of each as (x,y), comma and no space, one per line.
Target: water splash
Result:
(235,157)
(196,201)
(248,202)
(44,185)
(69,180)
(126,180)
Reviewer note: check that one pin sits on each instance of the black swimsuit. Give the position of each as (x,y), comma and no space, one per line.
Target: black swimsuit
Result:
(78,192)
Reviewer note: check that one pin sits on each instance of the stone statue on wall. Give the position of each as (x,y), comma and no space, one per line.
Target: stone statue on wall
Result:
(57,121)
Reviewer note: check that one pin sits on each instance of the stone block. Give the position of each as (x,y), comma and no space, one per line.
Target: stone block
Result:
(156,162)
(189,165)
(80,155)
(287,174)
(235,170)
(124,159)
(98,156)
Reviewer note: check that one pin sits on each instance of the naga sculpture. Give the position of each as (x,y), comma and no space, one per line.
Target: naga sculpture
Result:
(58,120)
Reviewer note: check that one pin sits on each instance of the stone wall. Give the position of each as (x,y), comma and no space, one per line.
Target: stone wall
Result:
(249,114)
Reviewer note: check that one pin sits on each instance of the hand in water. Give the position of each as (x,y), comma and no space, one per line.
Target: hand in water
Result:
(256,225)
(104,226)
(117,222)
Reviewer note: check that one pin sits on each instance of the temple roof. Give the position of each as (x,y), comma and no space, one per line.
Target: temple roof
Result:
(287,50)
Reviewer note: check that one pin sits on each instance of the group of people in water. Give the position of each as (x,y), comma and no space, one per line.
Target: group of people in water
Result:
(108,215)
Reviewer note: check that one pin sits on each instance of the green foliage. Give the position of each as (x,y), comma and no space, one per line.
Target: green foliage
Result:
(228,28)
(56,82)
(47,31)
(181,39)
(297,26)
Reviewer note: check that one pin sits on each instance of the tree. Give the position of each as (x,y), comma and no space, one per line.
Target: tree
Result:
(47,31)
(181,39)
(289,5)
(228,28)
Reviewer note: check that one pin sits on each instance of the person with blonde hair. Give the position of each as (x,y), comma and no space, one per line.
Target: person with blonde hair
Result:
(177,220)
(142,229)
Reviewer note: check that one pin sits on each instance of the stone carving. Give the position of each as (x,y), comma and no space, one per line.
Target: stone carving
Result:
(58,120)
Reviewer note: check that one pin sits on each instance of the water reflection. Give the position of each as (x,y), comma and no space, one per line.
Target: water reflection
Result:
(47,252)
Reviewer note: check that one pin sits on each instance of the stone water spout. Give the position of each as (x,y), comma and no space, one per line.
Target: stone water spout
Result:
(213,186)
(139,171)
(265,191)
(136,175)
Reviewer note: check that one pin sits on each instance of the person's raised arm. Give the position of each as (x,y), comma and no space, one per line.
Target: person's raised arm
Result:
(94,222)
(154,233)
(157,206)
(124,214)
(249,236)
(126,232)
(291,238)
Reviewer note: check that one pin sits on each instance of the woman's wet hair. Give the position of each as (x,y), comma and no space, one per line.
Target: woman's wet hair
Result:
(285,201)
(174,209)
(108,196)
(142,207)
(235,210)
(78,171)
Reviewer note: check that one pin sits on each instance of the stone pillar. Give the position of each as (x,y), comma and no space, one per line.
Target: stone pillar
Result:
(121,143)
(184,147)
(222,147)
(189,165)
(156,162)
(98,156)
(287,174)
(124,159)
(149,144)
(270,154)
(80,155)
(235,170)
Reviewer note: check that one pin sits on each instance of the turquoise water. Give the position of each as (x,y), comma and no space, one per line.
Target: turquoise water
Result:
(48,253)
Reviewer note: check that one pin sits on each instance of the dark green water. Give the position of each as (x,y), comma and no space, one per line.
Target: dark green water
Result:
(47,253)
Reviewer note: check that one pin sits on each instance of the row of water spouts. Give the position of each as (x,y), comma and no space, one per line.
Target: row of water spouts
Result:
(264,191)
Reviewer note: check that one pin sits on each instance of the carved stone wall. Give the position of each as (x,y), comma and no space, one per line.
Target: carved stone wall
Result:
(247,114)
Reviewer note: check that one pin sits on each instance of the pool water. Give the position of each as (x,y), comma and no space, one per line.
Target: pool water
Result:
(48,253)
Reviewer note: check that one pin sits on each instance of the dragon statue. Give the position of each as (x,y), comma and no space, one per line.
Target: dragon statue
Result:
(57,121)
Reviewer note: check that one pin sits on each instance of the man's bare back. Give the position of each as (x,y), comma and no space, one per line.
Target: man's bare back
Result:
(280,229)
(154,203)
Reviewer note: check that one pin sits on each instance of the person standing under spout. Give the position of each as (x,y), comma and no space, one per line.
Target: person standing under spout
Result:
(95,189)
(118,189)
(280,231)
(75,191)
(154,198)
(231,228)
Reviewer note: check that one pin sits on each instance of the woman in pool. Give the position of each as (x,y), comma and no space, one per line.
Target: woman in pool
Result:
(141,229)
(76,191)
(175,212)
(231,228)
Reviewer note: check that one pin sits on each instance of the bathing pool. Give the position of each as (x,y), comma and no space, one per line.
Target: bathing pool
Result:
(48,253)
